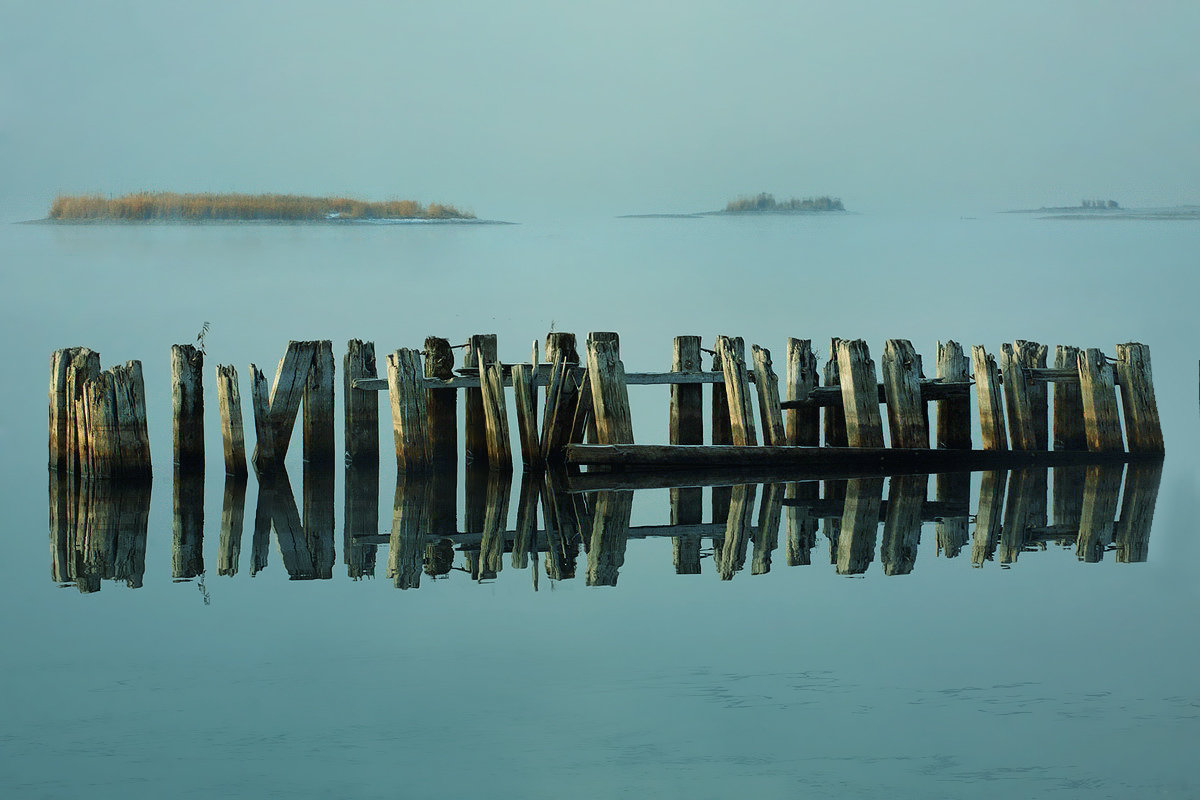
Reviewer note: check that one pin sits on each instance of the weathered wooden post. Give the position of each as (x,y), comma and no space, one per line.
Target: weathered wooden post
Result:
(499,445)
(1032,355)
(319,448)
(1143,429)
(441,404)
(233,436)
(803,424)
(835,414)
(1018,399)
(275,416)
(406,390)
(361,406)
(187,405)
(860,394)
(525,401)
(686,427)
(561,345)
(100,407)
(1100,420)
(132,441)
(480,348)
(260,403)
(722,431)
(902,388)
(610,397)
(991,402)
(954,413)
(1068,403)
(83,367)
(767,384)
(62,408)
(737,391)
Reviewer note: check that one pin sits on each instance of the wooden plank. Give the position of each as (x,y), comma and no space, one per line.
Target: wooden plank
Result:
(737,391)
(835,414)
(1100,421)
(902,523)
(1017,400)
(687,400)
(1032,356)
(859,525)
(864,425)
(1142,426)
(991,403)
(362,407)
(409,411)
(767,384)
(233,436)
(953,414)
(932,390)
(803,424)
(610,398)
(1101,488)
(582,416)
(187,405)
(541,377)
(318,424)
(1068,403)
(499,443)
(525,400)
(479,347)
(988,517)
(441,404)
(901,369)
(1137,510)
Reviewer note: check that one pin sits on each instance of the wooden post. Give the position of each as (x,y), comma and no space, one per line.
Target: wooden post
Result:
(83,367)
(953,414)
(103,436)
(737,391)
(406,390)
(722,431)
(562,398)
(1100,420)
(525,400)
(767,384)
(275,417)
(561,345)
(1142,426)
(318,406)
(1032,355)
(1068,404)
(481,347)
(860,516)
(233,436)
(835,415)
(989,515)
(902,526)
(60,408)
(902,387)
(1018,400)
(1101,487)
(133,439)
(264,449)
(991,403)
(499,444)
(187,405)
(803,424)
(610,398)
(860,395)
(362,407)
(687,400)
(441,404)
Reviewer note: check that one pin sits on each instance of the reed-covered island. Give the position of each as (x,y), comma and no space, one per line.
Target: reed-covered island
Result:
(174,207)
(765,203)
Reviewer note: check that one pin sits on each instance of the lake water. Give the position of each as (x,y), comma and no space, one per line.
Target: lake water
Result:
(918,676)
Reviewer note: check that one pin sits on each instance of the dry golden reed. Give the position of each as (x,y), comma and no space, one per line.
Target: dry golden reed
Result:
(173,206)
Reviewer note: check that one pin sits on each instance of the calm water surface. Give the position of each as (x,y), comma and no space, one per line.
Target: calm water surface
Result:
(1054,677)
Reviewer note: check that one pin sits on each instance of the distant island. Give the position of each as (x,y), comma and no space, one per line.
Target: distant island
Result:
(762,203)
(173,207)
(1110,209)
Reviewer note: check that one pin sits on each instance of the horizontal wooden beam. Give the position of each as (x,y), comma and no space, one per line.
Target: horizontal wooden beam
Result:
(541,377)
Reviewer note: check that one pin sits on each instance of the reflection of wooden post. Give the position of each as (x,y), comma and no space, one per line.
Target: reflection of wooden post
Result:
(109,540)
(991,400)
(907,421)
(988,517)
(953,414)
(406,389)
(1101,485)
(766,535)
(1143,429)
(952,531)
(902,526)
(293,543)
(319,519)
(801,524)
(1137,511)
(767,384)
(362,518)
(187,405)
(406,549)
(737,531)
(860,522)
(803,424)
(481,347)
(610,531)
(1068,495)
(526,530)
(1068,403)
(318,406)
(495,524)
(362,406)
(1016,514)
(233,513)
(562,535)
(264,507)
(831,526)
(187,550)
(1100,421)
(62,497)
(860,395)
(233,436)
(835,414)
(610,397)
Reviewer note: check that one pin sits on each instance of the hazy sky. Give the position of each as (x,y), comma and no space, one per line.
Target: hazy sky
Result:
(520,111)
